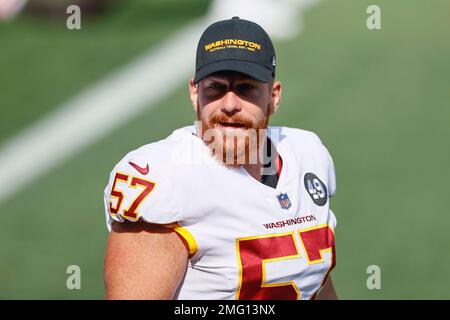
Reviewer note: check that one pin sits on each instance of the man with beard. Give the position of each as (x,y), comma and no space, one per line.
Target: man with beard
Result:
(228,208)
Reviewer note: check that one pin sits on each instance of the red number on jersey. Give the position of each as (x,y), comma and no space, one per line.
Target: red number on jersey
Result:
(117,193)
(316,241)
(253,253)
(130,213)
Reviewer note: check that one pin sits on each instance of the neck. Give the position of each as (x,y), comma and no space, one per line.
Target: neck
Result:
(256,169)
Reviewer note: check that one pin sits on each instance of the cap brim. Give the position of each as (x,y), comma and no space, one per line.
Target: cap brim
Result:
(248,68)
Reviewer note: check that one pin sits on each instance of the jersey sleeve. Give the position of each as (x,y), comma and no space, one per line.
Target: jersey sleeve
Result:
(141,188)
(327,161)
(331,174)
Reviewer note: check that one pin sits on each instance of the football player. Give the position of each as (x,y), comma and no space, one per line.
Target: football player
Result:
(229,208)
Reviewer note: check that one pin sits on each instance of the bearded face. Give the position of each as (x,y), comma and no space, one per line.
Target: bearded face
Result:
(233,112)
(233,140)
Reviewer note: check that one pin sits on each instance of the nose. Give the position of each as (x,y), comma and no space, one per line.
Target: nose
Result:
(230,103)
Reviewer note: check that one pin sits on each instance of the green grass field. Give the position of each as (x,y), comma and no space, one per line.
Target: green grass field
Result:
(378,99)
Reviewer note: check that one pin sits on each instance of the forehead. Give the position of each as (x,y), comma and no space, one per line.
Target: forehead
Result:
(230,76)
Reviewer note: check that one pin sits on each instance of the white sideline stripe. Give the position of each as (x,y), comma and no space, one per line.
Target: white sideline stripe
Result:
(98,110)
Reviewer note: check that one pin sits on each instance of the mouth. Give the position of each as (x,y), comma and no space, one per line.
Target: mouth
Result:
(231,125)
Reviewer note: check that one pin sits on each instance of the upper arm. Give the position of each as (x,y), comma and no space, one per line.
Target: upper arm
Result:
(143,261)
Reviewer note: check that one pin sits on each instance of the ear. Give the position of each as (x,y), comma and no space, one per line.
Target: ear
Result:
(193,91)
(276,96)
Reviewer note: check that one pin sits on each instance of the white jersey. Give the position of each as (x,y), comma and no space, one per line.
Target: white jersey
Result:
(246,240)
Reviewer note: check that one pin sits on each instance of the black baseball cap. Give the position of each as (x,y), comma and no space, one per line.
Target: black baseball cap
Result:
(235,45)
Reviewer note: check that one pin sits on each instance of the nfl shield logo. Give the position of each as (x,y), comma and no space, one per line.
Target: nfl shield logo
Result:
(283,198)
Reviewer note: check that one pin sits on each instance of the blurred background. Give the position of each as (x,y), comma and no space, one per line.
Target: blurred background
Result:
(379,99)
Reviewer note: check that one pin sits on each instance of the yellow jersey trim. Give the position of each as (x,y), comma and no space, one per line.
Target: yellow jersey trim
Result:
(187,236)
